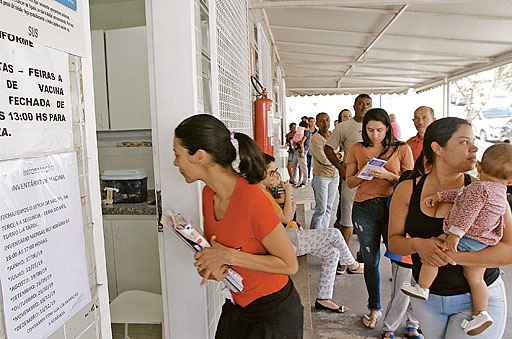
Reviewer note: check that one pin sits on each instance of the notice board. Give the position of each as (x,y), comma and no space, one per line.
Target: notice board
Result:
(43,269)
(35,108)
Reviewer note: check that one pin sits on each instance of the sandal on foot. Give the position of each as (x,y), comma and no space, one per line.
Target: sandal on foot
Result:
(320,307)
(358,270)
(371,322)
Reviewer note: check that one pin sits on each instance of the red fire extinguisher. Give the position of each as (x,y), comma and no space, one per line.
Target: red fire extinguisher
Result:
(262,109)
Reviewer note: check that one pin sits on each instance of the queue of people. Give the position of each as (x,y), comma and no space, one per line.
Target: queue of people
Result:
(446,260)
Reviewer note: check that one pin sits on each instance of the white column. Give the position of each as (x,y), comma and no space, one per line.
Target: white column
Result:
(94,184)
(173,88)
(446,98)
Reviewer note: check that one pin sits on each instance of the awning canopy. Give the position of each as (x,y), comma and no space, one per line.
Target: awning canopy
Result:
(346,46)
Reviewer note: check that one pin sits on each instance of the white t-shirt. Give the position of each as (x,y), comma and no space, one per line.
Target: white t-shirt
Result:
(345,135)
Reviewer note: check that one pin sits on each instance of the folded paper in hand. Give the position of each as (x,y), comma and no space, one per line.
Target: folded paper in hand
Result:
(366,172)
(184,230)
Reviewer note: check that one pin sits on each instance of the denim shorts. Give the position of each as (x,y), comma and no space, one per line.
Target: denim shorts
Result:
(293,157)
(470,245)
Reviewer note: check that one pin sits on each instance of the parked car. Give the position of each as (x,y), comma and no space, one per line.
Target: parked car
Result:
(507,133)
(493,123)
(458,100)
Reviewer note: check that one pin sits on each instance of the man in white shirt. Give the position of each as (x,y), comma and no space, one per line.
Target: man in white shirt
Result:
(345,135)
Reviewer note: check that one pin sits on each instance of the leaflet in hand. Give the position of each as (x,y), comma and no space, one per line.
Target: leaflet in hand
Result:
(372,165)
(184,230)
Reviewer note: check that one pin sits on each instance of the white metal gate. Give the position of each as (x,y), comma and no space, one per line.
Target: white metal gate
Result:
(233,65)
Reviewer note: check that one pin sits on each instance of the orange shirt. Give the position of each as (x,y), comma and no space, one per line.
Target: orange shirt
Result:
(399,162)
(250,217)
(416,145)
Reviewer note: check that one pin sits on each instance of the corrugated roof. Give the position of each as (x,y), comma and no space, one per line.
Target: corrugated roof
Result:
(346,46)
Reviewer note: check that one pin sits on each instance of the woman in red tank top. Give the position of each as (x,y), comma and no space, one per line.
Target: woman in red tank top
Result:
(243,228)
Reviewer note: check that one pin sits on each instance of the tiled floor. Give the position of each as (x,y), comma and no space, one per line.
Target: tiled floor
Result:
(350,291)
(137,331)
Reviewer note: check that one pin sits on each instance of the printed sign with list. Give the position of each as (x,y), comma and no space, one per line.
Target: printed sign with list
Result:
(43,269)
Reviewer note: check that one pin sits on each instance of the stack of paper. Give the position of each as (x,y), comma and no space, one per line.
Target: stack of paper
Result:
(184,230)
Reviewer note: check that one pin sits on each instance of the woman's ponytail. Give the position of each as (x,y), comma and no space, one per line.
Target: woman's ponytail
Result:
(252,164)
(228,149)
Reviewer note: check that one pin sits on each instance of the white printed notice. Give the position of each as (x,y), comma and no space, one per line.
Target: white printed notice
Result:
(35,108)
(43,269)
(53,23)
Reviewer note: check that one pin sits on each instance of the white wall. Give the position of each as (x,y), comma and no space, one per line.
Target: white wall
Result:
(118,14)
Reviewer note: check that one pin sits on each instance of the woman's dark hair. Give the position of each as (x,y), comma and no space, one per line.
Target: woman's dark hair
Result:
(303,124)
(341,113)
(204,131)
(440,131)
(379,114)
(418,171)
(268,159)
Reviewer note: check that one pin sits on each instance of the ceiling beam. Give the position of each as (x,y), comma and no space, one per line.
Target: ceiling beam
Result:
(309,3)
(503,59)
(365,51)
(412,71)
(361,80)
(381,49)
(341,89)
(271,35)
(346,59)
(390,12)
(426,61)
(422,70)
(398,75)
(449,63)
(394,35)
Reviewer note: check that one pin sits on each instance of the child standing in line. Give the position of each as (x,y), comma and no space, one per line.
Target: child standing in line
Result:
(474,223)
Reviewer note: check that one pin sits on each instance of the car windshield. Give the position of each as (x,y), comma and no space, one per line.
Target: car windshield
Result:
(497,112)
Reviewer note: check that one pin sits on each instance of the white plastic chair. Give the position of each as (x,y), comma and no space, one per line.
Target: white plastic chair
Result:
(136,307)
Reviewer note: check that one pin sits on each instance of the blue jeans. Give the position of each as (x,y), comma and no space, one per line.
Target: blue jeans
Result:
(441,317)
(310,164)
(324,189)
(370,219)
(470,245)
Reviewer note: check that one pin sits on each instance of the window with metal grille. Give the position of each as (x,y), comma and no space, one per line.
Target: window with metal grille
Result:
(233,65)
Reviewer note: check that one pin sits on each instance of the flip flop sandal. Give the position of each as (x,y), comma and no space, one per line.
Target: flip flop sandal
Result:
(320,307)
(370,322)
(358,270)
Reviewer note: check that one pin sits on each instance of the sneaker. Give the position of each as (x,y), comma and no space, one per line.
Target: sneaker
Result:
(341,269)
(412,333)
(477,324)
(415,291)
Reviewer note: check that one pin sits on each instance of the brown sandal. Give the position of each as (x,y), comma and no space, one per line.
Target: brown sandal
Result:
(358,270)
(320,307)
(371,322)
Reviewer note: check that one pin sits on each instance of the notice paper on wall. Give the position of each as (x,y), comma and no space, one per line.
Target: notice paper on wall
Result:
(43,268)
(35,107)
(53,23)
